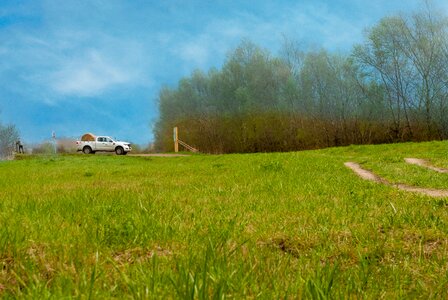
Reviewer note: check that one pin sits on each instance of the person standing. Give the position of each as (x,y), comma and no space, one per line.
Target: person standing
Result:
(19,146)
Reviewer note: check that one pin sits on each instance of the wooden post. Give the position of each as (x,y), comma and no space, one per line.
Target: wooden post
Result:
(176,140)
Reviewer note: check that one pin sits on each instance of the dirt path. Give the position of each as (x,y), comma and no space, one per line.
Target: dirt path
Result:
(364,174)
(368,175)
(160,155)
(425,164)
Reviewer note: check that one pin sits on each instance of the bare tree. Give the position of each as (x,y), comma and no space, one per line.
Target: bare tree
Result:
(424,38)
(381,58)
(8,137)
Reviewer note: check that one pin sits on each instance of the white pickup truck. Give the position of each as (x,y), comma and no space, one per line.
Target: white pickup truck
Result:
(92,144)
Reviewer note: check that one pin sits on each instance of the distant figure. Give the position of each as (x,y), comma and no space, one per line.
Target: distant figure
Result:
(19,146)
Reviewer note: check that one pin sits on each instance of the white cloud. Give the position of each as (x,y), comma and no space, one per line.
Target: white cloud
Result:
(196,53)
(323,27)
(71,62)
(89,75)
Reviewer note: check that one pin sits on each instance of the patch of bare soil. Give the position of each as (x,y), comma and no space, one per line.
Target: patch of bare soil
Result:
(368,175)
(292,246)
(138,255)
(425,164)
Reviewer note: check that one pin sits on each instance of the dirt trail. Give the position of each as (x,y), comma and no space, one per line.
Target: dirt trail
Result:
(425,164)
(160,155)
(368,175)
(364,174)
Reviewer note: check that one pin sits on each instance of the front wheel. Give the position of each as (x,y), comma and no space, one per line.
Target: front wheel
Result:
(119,151)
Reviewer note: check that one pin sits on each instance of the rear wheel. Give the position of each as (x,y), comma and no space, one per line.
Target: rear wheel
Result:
(119,151)
(87,150)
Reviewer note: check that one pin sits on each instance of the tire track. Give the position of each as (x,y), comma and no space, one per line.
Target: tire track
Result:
(425,164)
(370,176)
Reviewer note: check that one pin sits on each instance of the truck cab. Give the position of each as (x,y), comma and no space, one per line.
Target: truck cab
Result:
(104,143)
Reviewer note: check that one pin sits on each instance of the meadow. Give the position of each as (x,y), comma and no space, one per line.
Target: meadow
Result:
(279,225)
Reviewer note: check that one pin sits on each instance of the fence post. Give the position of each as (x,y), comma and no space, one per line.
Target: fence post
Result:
(55,143)
(176,140)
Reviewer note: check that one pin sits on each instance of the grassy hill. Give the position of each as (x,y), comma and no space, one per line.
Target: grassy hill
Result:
(260,225)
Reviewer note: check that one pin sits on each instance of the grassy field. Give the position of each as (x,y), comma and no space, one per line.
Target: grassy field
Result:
(289,225)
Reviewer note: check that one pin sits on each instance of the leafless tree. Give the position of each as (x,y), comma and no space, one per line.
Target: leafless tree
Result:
(8,137)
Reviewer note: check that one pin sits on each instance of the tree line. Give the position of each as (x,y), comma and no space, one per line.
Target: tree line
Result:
(393,87)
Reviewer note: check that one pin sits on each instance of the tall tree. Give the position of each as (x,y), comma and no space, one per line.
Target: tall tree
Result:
(8,137)
(408,57)
(423,42)
(381,58)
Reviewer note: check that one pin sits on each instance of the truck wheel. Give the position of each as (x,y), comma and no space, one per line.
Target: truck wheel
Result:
(87,150)
(119,151)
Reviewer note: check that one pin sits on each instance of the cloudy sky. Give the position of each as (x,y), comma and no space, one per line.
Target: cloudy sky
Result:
(76,66)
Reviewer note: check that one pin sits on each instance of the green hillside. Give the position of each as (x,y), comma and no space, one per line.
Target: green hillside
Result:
(282,225)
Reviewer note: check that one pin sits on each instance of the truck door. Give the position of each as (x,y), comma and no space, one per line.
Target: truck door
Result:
(101,144)
(109,144)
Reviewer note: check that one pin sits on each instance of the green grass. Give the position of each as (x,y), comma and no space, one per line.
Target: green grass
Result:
(282,225)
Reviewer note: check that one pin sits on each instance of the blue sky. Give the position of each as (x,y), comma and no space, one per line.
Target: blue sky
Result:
(97,66)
